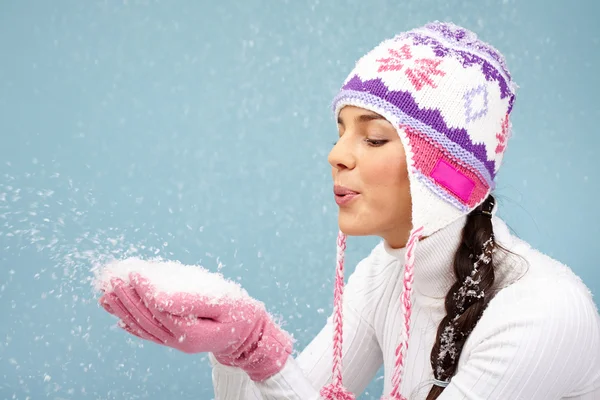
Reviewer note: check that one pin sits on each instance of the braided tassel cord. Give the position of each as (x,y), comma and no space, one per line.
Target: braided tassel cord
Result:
(406,307)
(335,390)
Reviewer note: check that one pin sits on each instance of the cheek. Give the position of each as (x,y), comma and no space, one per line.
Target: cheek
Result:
(388,187)
(387,173)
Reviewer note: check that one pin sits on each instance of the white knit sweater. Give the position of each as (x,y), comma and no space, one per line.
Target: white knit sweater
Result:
(539,338)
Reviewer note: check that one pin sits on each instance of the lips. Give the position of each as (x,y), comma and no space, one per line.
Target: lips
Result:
(344,195)
(339,190)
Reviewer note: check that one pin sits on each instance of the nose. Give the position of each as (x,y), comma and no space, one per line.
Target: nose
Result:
(341,156)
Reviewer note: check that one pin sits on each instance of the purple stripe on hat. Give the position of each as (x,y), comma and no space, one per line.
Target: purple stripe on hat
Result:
(405,102)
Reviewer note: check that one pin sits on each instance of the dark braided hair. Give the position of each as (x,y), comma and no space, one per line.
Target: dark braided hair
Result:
(468,297)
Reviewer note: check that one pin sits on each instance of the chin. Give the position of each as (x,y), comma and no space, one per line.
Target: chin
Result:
(353,227)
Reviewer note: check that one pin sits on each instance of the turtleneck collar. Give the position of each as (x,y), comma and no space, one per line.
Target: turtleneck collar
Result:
(434,256)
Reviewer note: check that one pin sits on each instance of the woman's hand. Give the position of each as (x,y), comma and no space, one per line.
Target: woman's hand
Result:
(238,331)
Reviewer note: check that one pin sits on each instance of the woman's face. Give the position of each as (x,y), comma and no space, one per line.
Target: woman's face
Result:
(369,161)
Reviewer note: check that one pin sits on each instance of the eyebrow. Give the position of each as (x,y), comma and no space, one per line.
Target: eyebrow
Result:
(363,118)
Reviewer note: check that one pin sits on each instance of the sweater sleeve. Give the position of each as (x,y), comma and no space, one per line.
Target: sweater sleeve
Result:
(303,377)
(541,345)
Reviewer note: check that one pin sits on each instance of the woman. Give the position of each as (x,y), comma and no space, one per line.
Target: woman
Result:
(449,302)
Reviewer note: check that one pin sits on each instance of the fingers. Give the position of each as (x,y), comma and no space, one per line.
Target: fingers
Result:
(139,310)
(111,302)
(121,312)
(102,301)
(142,286)
(136,331)
(147,294)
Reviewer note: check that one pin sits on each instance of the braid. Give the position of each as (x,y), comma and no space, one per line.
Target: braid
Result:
(468,297)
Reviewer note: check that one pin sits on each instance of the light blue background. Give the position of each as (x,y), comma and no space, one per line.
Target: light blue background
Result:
(200,130)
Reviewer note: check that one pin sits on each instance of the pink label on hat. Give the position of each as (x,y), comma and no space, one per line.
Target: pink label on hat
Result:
(452,179)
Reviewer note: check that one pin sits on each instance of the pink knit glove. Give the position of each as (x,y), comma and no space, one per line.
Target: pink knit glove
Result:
(239,332)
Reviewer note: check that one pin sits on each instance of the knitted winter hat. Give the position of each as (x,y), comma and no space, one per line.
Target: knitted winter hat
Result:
(449,95)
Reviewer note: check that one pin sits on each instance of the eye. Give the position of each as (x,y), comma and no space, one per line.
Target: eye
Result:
(376,143)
